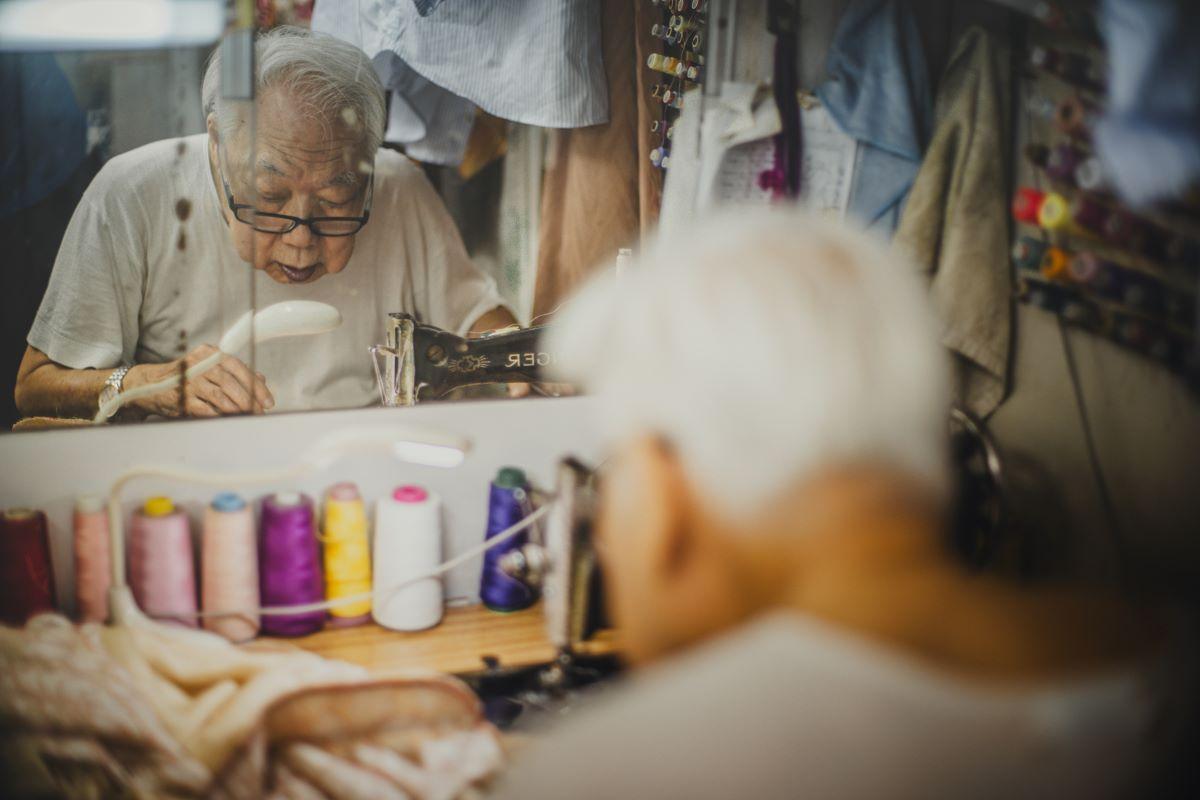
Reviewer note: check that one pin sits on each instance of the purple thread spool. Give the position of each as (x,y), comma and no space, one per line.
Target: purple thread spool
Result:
(290,564)
(506,508)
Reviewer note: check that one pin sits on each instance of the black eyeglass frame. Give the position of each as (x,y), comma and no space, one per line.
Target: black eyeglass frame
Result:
(311,222)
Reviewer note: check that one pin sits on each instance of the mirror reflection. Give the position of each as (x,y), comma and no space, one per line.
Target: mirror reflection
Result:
(330,230)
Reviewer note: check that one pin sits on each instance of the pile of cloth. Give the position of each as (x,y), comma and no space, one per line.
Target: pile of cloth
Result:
(161,712)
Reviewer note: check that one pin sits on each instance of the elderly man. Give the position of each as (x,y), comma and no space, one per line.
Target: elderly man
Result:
(770,526)
(152,268)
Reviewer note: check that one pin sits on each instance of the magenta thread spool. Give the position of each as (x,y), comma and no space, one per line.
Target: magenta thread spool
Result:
(289,563)
(229,567)
(162,570)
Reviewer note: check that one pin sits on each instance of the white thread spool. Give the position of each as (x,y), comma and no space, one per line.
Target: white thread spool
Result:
(408,543)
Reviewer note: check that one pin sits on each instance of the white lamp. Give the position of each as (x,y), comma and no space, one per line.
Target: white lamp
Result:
(109,24)
(408,444)
(289,318)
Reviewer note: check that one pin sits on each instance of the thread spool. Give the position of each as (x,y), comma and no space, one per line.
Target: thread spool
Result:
(347,557)
(507,498)
(1088,269)
(1026,204)
(408,543)
(1062,161)
(229,567)
(162,570)
(1073,116)
(1027,253)
(1054,264)
(1089,175)
(289,564)
(26,571)
(93,567)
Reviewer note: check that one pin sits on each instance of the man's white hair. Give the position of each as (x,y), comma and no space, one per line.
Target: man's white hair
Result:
(329,77)
(764,346)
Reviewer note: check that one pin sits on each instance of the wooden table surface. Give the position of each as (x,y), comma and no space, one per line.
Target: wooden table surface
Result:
(457,645)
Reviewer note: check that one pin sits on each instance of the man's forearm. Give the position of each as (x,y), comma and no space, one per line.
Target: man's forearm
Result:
(47,389)
(54,391)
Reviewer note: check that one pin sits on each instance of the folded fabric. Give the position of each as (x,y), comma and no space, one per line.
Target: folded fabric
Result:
(878,92)
(1149,136)
(153,711)
(955,222)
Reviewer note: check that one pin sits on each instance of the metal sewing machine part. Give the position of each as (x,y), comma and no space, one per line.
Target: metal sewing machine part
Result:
(421,360)
(562,561)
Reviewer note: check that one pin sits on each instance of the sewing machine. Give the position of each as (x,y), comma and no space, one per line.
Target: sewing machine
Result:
(421,361)
(560,560)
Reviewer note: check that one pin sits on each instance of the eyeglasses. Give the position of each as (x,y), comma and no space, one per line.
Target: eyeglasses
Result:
(265,222)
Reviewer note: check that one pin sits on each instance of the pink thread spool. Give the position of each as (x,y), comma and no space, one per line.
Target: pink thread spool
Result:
(93,568)
(229,567)
(161,566)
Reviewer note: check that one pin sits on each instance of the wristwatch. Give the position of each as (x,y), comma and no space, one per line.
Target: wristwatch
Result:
(112,388)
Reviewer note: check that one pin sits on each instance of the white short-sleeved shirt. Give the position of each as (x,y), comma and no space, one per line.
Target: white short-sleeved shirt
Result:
(147,268)
(792,707)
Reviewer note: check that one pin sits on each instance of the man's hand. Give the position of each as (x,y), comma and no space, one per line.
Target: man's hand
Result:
(229,387)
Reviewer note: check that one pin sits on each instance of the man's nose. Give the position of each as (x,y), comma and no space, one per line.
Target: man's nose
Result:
(300,237)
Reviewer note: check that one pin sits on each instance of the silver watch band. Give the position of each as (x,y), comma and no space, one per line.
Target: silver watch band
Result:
(112,386)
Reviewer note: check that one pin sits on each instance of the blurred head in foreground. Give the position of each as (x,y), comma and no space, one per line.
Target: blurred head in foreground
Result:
(753,376)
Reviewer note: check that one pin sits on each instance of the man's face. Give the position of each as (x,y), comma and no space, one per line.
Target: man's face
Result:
(303,167)
(667,583)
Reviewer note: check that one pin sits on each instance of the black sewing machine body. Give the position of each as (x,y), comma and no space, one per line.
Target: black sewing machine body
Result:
(424,361)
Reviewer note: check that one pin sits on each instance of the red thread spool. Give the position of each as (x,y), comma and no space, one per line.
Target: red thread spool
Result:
(1026,204)
(26,572)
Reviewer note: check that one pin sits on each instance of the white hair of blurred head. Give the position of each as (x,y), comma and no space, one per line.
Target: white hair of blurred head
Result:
(765,346)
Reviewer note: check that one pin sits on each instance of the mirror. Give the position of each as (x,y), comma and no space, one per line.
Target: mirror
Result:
(186,241)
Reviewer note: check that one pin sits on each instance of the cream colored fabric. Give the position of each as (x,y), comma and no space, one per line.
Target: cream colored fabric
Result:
(154,711)
(955,221)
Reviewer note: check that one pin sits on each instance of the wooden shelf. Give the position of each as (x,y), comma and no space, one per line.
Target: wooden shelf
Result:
(457,645)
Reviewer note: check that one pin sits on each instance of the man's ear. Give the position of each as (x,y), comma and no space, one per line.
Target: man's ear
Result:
(670,535)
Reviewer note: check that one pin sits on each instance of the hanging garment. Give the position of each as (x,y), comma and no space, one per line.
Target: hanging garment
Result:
(1149,136)
(590,196)
(955,222)
(878,92)
(532,61)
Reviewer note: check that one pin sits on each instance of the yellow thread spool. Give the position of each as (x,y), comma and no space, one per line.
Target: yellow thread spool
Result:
(347,555)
